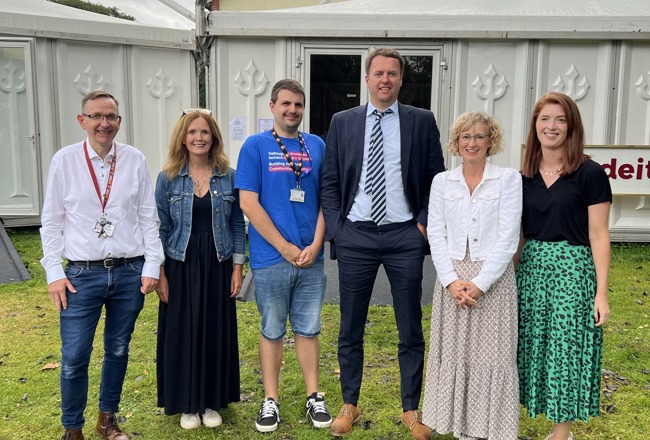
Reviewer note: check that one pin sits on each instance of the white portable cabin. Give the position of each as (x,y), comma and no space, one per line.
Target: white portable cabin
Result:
(499,56)
(50,56)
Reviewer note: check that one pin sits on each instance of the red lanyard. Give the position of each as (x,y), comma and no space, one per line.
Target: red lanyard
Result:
(109,184)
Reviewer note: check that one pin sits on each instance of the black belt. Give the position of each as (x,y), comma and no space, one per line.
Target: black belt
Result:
(373,227)
(107,263)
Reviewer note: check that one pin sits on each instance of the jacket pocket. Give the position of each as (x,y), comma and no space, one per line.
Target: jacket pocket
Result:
(488,200)
(453,195)
(488,205)
(228,201)
(488,195)
(175,206)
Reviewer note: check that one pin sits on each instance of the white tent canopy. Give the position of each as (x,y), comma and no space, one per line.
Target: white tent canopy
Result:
(51,56)
(498,56)
(611,19)
(40,18)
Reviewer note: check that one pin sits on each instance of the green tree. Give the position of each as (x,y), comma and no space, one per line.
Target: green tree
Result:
(94,7)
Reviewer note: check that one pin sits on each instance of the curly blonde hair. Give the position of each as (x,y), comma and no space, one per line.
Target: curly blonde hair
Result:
(177,156)
(468,120)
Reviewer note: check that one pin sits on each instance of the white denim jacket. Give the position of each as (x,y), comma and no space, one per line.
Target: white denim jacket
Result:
(488,219)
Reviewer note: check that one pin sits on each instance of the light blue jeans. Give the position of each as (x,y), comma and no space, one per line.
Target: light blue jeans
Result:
(283,290)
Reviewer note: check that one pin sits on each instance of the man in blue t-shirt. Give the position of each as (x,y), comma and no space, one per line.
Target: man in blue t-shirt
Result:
(278,177)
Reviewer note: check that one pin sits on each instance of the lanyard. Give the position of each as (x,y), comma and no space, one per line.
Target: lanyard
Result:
(297,169)
(109,184)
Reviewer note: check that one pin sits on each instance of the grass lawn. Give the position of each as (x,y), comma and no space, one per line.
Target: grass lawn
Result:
(29,356)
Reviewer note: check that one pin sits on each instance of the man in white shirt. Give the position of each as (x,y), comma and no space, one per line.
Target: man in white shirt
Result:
(100,214)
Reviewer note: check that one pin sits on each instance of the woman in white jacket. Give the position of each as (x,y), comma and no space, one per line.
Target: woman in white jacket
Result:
(472,385)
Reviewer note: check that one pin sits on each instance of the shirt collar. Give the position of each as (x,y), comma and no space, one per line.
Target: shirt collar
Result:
(92,154)
(489,172)
(371,108)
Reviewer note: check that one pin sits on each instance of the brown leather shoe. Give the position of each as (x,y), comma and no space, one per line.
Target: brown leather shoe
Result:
(73,434)
(108,429)
(413,421)
(348,416)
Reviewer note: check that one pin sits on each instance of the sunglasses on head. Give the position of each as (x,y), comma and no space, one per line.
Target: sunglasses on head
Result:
(205,111)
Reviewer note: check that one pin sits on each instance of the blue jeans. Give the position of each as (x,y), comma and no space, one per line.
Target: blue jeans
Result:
(284,290)
(118,289)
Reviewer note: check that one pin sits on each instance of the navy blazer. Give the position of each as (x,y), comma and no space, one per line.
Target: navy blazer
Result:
(421,159)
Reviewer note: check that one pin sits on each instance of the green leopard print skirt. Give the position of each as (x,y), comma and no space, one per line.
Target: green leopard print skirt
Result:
(560,349)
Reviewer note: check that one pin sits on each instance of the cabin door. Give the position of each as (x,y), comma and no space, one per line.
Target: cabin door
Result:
(19,169)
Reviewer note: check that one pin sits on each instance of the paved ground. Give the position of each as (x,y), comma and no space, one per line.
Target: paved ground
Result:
(381,292)
(12,269)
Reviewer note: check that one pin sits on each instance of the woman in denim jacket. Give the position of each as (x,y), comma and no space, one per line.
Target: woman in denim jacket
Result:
(203,235)
(474,215)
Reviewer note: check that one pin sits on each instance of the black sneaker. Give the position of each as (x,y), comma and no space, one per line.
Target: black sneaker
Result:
(269,416)
(317,411)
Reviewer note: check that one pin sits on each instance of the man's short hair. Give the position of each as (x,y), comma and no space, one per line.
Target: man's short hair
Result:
(387,52)
(91,96)
(287,84)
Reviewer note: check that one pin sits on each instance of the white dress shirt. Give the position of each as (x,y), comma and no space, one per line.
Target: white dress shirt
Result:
(397,207)
(72,207)
(489,220)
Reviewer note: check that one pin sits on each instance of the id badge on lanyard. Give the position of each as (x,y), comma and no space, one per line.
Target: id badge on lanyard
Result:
(103,226)
(296,194)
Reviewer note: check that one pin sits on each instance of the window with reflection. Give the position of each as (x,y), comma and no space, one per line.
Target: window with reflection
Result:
(334,86)
(416,84)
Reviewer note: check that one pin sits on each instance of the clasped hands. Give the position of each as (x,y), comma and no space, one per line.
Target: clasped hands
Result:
(465,293)
(300,257)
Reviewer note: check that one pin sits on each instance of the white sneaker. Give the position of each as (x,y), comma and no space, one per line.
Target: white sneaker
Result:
(211,418)
(190,421)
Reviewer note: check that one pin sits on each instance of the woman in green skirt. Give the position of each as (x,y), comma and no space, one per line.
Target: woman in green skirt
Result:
(563,269)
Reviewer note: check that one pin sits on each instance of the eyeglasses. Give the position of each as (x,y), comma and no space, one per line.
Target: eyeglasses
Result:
(99,117)
(479,138)
(205,111)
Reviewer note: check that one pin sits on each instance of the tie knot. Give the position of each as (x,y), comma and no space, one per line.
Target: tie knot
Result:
(379,114)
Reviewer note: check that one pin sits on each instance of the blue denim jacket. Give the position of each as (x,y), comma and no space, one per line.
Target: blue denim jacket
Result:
(175,198)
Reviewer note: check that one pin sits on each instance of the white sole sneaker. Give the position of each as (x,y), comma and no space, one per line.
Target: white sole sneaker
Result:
(190,421)
(318,424)
(211,418)
(263,428)
(269,412)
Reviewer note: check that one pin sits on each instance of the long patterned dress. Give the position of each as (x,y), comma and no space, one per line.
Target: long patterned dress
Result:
(471,380)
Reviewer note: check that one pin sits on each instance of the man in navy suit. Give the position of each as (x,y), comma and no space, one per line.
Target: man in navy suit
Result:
(362,241)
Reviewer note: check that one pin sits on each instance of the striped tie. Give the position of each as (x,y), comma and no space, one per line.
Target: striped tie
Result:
(375,177)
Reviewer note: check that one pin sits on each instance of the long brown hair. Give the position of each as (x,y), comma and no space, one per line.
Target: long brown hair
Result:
(177,156)
(574,145)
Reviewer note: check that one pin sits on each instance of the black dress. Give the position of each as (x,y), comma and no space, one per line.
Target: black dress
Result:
(197,352)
